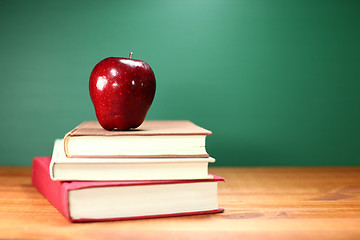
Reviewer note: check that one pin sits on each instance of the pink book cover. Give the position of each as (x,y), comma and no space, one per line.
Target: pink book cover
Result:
(57,191)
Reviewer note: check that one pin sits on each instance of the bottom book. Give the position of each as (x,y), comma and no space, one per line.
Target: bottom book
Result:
(81,201)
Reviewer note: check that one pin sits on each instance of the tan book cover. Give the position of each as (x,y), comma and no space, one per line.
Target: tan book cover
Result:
(172,132)
(147,128)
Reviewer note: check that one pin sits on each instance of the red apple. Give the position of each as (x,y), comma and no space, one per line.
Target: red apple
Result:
(122,91)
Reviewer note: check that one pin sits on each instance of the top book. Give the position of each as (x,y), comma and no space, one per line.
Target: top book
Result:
(151,139)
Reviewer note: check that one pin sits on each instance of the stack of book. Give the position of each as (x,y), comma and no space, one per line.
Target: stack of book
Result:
(157,170)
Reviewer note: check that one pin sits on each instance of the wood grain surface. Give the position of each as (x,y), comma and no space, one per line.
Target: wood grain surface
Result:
(260,203)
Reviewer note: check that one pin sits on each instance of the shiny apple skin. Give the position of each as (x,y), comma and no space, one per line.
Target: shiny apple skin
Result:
(122,91)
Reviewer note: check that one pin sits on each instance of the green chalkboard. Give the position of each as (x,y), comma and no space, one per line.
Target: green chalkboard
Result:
(278,82)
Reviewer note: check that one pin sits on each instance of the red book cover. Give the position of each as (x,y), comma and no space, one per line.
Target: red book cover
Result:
(57,192)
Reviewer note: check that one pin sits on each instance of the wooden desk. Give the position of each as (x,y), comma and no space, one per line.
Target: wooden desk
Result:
(260,203)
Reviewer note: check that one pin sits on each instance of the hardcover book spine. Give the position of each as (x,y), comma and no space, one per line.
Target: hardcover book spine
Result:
(55,191)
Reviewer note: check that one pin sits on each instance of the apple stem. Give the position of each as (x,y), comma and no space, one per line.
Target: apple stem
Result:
(131,53)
